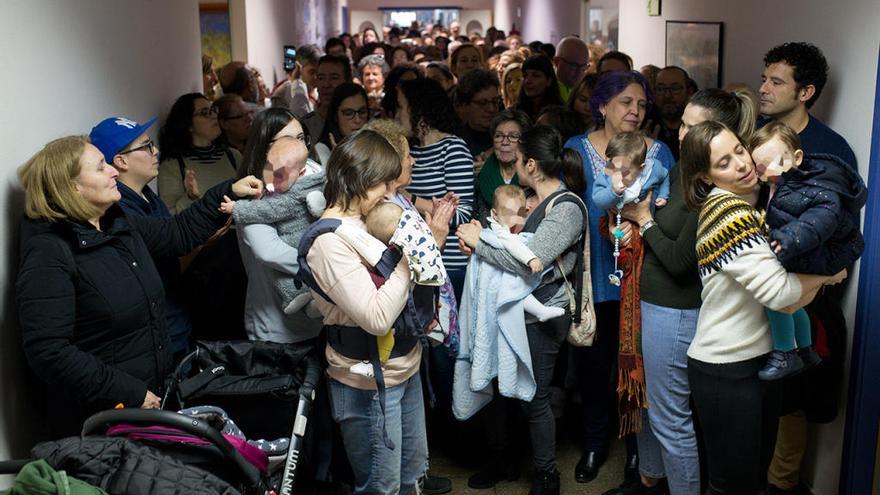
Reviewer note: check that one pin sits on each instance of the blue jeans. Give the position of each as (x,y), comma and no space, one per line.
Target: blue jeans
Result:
(667,442)
(378,469)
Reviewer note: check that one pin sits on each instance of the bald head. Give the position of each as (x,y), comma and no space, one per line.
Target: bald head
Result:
(572,60)
(237,78)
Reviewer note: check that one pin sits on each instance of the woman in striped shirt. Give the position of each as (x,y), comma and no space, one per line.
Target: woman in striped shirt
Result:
(444,167)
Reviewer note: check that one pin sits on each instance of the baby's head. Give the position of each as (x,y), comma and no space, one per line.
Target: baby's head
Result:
(626,152)
(509,206)
(776,149)
(285,164)
(382,221)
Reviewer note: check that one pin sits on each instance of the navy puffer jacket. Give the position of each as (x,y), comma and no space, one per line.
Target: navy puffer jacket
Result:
(813,216)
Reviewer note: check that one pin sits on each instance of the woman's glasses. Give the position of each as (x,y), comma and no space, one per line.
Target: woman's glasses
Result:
(299,137)
(513,138)
(350,114)
(206,112)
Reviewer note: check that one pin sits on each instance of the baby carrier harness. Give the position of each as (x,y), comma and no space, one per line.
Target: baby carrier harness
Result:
(355,342)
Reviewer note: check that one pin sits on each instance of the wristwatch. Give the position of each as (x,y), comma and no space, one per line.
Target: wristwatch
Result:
(644,227)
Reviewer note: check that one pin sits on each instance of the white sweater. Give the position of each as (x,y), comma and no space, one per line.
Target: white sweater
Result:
(741,276)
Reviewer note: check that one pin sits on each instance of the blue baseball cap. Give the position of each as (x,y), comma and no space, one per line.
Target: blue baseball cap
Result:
(113,134)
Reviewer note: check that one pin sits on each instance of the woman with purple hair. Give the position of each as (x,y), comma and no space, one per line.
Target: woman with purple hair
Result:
(618,103)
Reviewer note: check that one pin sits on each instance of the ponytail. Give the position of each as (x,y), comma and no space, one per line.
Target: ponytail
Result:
(737,110)
(544,145)
(748,113)
(573,171)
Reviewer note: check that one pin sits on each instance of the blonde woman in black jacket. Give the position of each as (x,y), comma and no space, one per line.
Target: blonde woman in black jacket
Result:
(90,301)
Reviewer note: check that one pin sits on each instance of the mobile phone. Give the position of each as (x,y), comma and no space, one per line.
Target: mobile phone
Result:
(289,57)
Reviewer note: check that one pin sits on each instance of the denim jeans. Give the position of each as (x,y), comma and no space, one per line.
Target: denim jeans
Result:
(667,442)
(378,469)
(544,342)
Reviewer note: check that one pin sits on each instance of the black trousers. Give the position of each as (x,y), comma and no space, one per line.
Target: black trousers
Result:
(738,415)
(597,364)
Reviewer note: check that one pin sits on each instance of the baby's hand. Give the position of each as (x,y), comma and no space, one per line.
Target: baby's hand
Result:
(227,205)
(660,202)
(536,265)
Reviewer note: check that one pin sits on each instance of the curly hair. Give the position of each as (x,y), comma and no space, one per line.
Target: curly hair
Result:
(392,81)
(472,83)
(429,103)
(807,62)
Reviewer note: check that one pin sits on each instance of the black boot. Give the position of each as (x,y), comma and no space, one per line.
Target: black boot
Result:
(588,466)
(545,483)
(498,469)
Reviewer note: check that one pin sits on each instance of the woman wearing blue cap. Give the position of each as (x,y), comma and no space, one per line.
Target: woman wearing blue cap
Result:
(90,301)
(126,145)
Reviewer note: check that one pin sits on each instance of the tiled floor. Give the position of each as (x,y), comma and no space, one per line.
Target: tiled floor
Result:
(568,454)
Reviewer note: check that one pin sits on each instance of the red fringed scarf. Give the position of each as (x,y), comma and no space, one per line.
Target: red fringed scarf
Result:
(630,365)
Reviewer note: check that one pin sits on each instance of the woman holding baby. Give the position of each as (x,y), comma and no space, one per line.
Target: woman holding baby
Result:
(618,103)
(383,427)
(551,171)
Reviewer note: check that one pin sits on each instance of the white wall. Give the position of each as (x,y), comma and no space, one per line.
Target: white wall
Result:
(550,21)
(375,4)
(271,24)
(72,64)
(847,33)
(360,16)
(483,16)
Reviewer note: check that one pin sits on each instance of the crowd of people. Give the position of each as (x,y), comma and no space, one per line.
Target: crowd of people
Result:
(436,194)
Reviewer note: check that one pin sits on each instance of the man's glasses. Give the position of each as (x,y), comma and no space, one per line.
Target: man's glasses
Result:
(306,140)
(206,112)
(149,147)
(512,138)
(350,114)
(673,90)
(489,103)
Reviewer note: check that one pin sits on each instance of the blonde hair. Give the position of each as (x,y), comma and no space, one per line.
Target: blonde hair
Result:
(390,130)
(382,221)
(507,191)
(47,179)
(776,129)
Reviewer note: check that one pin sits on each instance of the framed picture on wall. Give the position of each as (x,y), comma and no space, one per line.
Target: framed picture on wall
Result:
(696,47)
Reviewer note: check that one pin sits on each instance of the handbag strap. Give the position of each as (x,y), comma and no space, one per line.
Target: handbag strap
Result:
(575,296)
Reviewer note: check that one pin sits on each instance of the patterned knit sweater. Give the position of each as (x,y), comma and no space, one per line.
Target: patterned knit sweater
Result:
(741,276)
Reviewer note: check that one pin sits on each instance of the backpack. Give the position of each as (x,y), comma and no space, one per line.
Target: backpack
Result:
(583,324)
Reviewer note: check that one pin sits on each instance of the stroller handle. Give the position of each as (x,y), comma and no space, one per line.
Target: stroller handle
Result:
(99,422)
(310,381)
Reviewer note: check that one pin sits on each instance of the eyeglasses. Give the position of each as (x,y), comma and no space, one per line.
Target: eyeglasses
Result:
(205,112)
(489,103)
(673,90)
(512,138)
(300,137)
(149,147)
(350,114)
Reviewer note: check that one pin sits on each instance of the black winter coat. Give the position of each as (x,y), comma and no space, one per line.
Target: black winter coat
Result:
(812,216)
(120,466)
(91,305)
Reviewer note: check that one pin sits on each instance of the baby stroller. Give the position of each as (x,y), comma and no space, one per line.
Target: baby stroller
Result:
(161,464)
(270,387)
(267,388)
